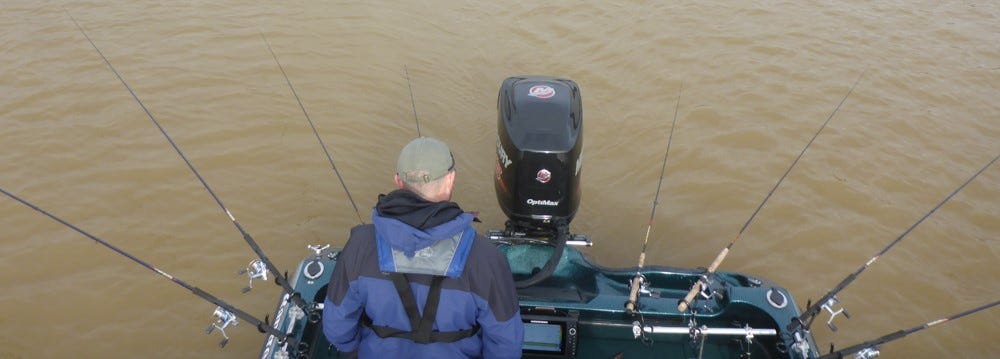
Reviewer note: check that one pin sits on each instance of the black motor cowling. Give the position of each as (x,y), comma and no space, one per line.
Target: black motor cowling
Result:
(539,149)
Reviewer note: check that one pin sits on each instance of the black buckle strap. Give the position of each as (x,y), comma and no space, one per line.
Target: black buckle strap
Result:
(424,325)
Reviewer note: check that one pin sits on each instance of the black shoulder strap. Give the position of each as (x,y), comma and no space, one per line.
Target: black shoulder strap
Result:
(426,325)
(402,284)
(423,326)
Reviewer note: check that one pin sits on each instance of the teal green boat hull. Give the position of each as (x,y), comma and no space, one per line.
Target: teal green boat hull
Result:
(579,312)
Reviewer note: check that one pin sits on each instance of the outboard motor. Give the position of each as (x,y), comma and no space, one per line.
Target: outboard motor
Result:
(539,149)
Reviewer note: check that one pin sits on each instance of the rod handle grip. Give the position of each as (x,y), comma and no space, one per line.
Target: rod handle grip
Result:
(683,305)
(633,295)
(718,260)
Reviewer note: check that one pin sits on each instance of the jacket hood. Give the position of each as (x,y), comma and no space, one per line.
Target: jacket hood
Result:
(408,239)
(410,208)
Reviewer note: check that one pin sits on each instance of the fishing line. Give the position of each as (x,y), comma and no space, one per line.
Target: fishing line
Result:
(279,279)
(805,320)
(870,345)
(313,126)
(412,102)
(725,251)
(262,326)
(637,281)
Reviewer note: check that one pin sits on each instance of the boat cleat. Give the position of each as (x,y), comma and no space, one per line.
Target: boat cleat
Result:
(833,313)
(318,249)
(223,319)
(254,270)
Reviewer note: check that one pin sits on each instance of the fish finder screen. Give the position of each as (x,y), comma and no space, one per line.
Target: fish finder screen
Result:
(543,337)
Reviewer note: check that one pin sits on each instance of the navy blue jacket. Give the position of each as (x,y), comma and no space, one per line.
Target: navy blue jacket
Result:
(478,290)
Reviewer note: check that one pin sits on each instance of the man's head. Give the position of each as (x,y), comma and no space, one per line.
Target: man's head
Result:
(426,167)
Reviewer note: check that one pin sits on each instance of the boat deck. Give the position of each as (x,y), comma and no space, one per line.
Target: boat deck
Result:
(579,311)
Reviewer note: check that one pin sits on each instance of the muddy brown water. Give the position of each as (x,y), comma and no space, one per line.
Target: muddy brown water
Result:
(758,80)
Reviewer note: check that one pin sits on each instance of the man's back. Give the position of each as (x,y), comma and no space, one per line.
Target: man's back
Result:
(482,296)
(421,250)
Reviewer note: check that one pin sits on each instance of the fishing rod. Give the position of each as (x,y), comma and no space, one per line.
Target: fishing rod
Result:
(313,126)
(255,268)
(639,279)
(412,102)
(827,301)
(703,281)
(869,349)
(225,312)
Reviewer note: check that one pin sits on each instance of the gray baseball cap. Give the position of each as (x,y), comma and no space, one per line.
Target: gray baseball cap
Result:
(424,159)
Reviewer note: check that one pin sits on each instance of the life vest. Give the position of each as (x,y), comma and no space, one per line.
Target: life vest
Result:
(443,259)
(423,325)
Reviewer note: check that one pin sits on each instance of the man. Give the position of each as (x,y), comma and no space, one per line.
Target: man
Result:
(419,281)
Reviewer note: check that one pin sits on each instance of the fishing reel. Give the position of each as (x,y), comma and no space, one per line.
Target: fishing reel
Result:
(868,353)
(706,292)
(255,270)
(638,287)
(801,345)
(223,319)
(644,288)
(828,306)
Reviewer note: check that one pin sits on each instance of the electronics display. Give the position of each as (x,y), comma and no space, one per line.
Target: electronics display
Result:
(552,334)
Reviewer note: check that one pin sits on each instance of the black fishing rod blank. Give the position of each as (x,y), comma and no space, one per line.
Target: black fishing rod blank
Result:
(278,277)
(869,349)
(225,313)
(639,280)
(313,126)
(806,319)
(702,283)
(412,102)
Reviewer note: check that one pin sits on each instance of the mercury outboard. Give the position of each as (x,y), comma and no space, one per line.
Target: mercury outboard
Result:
(539,159)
